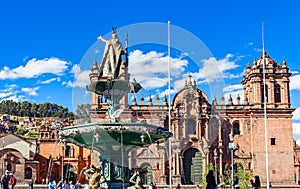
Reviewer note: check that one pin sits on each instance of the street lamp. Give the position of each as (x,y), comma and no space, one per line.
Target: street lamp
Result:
(3,142)
(215,158)
(231,146)
(63,144)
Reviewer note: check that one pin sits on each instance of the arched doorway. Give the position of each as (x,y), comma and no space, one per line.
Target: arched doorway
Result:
(148,177)
(28,173)
(192,166)
(69,173)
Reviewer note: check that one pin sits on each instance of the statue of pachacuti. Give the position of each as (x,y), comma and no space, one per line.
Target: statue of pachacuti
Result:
(111,86)
(111,60)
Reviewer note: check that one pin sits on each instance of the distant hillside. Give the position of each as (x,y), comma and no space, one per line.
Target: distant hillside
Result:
(27,109)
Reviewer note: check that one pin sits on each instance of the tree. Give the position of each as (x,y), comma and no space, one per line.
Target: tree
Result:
(82,113)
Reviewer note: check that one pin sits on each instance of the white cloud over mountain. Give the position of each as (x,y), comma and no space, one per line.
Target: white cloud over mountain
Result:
(35,68)
(30,91)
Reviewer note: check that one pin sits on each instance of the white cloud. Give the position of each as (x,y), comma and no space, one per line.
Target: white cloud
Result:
(8,91)
(233,88)
(214,69)
(295,82)
(16,98)
(154,66)
(5,94)
(257,50)
(50,80)
(296,114)
(34,68)
(81,77)
(296,132)
(250,43)
(235,91)
(30,91)
(151,69)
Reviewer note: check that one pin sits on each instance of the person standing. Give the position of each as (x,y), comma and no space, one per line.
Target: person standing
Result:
(59,185)
(210,180)
(5,180)
(31,184)
(12,181)
(256,182)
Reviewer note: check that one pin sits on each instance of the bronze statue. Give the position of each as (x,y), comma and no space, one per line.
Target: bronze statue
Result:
(96,180)
(111,60)
(136,180)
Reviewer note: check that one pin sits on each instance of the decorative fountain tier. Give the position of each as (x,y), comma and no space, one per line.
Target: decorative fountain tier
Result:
(114,141)
(101,136)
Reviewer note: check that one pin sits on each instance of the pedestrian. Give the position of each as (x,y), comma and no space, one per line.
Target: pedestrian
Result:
(31,184)
(151,185)
(66,185)
(256,182)
(59,185)
(72,186)
(52,185)
(12,181)
(210,180)
(78,185)
(5,180)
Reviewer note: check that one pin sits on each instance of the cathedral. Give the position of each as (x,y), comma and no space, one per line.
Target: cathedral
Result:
(203,128)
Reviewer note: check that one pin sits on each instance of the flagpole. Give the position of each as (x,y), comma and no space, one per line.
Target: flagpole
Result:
(169,103)
(265,108)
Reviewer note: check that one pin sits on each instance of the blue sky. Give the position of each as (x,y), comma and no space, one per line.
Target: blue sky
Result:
(45,44)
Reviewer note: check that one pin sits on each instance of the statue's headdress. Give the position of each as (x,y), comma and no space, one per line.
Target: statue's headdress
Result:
(114,30)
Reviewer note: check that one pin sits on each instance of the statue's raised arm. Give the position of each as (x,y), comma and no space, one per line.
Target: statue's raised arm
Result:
(111,60)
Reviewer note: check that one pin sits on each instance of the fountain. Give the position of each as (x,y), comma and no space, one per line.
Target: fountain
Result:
(114,139)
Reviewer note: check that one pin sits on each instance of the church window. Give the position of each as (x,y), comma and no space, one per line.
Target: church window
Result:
(236,128)
(191,128)
(69,151)
(53,136)
(277,93)
(28,173)
(8,167)
(262,93)
(272,141)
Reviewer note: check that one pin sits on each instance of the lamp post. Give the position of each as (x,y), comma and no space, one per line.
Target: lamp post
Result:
(3,142)
(231,146)
(215,158)
(62,159)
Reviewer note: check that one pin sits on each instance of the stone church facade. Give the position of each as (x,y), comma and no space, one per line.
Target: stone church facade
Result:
(201,128)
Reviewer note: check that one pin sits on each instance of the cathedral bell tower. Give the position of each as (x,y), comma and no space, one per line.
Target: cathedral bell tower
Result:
(271,126)
(277,83)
